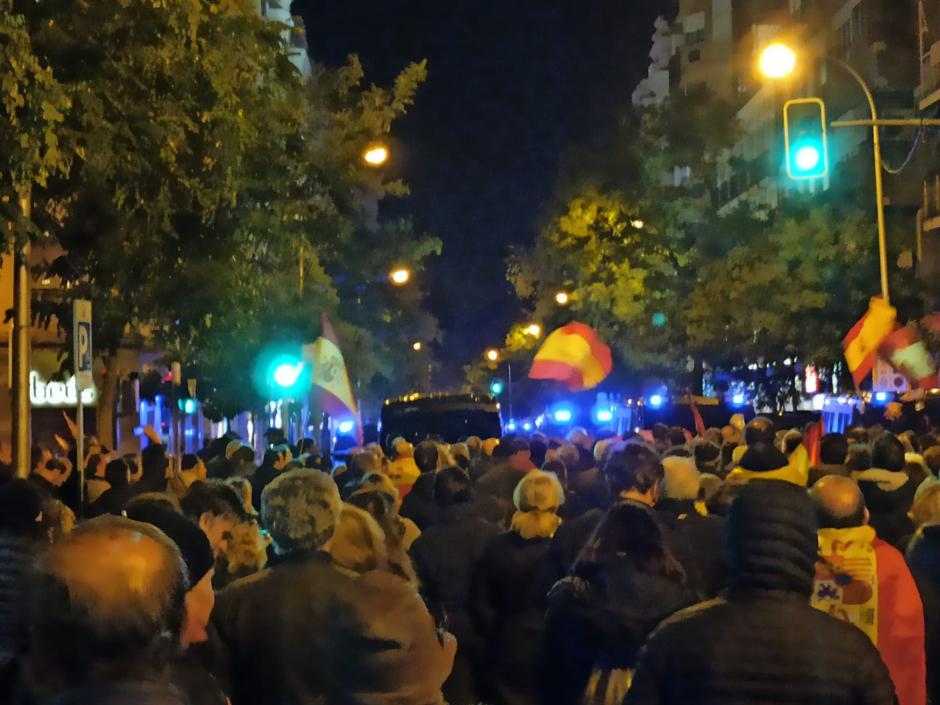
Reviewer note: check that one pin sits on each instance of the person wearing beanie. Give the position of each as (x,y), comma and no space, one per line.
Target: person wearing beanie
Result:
(865,581)
(762,642)
(762,461)
(186,672)
(507,594)
(271,623)
(392,651)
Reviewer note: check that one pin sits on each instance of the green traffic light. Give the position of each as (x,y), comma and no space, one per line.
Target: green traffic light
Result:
(188,406)
(804,125)
(496,387)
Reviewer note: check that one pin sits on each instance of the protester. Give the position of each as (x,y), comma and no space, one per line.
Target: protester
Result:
(762,461)
(119,492)
(402,469)
(507,597)
(419,504)
(95,483)
(623,584)
(923,557)
(499,483)
(275,460)
(863,580)
(217,509)
(763,642)
(192,469)
(888,491)
(47,473)
(386,647)
(444,557)
(96,635)
(833,451)
(381,507)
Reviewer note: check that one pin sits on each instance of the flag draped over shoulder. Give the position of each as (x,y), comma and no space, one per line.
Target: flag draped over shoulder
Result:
(574,356)
(863,341)
(329,374)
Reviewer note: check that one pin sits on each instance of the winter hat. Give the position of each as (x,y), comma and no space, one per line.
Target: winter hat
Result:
(681,478)
(189,538)
(762,457)
(771,538)
(300,508)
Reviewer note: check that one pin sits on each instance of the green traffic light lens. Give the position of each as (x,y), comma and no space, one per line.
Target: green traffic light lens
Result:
(807,158)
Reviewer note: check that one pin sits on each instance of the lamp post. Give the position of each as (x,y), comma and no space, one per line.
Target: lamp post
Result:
(376,155)
(778,61)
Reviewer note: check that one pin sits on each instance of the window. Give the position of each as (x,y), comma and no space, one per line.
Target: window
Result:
(694,55)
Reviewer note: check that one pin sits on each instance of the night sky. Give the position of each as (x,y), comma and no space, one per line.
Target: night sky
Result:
(514,87)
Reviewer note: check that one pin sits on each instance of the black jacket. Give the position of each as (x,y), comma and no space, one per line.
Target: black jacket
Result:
(600,619)
(698,544)
(419,504)
(888,496)
(763,643)
(507,604)
(923,557)
(273,626)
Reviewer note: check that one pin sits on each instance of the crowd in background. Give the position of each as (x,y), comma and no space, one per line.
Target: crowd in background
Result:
(657,568)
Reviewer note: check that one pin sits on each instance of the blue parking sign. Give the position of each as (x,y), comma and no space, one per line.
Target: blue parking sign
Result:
(82,352)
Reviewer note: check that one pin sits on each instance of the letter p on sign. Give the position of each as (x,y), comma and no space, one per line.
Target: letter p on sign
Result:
(82,352)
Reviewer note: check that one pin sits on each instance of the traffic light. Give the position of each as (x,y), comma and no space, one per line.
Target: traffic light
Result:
(496,387)
(805,140)
(187,405)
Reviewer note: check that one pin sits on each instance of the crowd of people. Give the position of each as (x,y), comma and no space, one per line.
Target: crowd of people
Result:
(656,568)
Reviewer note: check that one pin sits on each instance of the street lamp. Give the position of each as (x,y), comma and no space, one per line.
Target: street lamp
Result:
(779,61)
(375,155)
(400,276)
(638,224)
(416,346)
(492,355)
(534,329)
(562,298)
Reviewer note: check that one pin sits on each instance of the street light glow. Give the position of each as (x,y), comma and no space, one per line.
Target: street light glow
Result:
(638,224)
(375,155)
(562,298)
(286,375)
(400,276)
(534,329)
(777,61)
(492,355)
(417,346)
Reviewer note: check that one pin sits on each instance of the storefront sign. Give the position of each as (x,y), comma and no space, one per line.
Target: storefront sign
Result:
(58,394)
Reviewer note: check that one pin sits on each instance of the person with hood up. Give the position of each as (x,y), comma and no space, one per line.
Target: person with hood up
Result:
(864,581)
(386,648)
(507,595)
(624,583)
(762,461)
(888,491)
(762,642)
(444,557)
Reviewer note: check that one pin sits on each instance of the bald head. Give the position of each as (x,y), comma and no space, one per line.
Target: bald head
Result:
(108,600)
(839,503)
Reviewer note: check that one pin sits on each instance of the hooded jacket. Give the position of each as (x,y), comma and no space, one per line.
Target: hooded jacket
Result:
(863,580)
(763,642)
(888,496)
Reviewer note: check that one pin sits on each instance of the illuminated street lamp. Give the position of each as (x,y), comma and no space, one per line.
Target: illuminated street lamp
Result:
(417,346)
(492,355)
(777,61)
(638,224)
(534,329)
(400,276)
(562,298)
(375,155)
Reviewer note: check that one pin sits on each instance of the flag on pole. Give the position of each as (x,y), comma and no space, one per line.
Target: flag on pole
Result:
(811,441)
(329,374)
(906,351)
(862,342)
(573,355)
(697,419)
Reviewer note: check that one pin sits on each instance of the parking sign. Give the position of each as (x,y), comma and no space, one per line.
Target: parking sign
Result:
(81,335)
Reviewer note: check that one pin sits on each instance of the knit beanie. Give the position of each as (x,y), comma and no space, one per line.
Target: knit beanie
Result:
(189,538)
(771,539)
(762,457)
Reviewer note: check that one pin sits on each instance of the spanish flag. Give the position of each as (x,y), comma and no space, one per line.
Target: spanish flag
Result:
(906,351)
(573,355)
(329,374)
(862,343)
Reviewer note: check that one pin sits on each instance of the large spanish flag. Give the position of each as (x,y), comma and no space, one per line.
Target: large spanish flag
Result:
(573,355)
(329,374)
(906,351)
(862,343)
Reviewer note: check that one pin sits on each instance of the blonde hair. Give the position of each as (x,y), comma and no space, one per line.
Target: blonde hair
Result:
(537,498)
(926,509)
(358,541)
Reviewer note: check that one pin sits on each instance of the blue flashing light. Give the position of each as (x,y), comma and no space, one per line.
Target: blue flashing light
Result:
(603,416)
(562,415)
(527,426)
(511,425)
(739,399)
(346,427)
(881,397)
(655,400)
